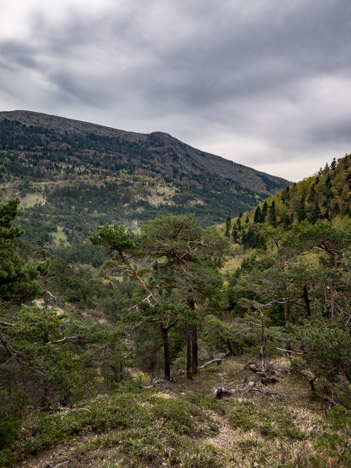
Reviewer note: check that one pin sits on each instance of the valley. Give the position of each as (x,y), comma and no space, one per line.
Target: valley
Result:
(140,278)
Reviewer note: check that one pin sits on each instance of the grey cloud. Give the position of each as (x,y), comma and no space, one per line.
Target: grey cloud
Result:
(193,67)
(332,132)
(15,53)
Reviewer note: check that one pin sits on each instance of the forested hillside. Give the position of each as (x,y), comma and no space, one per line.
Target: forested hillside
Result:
(294,276)
(326,195)
(191,346)
(73,176)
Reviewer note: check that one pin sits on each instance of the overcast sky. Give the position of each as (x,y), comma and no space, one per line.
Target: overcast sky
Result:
(266,83)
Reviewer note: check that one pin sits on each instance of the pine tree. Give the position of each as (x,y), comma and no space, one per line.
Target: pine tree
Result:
(272,216)
(257,215)
(301,209)
(264,211)
(18,277)
(228,223)
(188,271)
(286,222)
(316,214)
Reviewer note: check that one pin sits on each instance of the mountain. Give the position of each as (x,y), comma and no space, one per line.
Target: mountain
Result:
(74,175)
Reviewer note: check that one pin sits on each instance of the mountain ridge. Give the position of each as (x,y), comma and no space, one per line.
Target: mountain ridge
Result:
(64,124)
(72,176)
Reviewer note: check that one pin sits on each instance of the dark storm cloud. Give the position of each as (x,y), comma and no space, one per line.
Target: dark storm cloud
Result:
(338,131)
(16,53)
(257,81)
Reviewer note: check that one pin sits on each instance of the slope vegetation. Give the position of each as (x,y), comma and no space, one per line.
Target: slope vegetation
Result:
(73,176)
(326,195)
(182,424)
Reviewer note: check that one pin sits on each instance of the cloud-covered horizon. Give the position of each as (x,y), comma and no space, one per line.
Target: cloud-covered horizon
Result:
(264,83)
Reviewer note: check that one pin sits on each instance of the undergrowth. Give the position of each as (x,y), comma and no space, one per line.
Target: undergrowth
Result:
(146,426)
(183,425)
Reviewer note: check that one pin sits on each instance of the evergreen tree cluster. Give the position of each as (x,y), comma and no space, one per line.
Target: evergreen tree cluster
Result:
(326,195)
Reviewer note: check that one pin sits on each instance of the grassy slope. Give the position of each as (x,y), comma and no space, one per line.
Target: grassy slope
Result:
(181,424)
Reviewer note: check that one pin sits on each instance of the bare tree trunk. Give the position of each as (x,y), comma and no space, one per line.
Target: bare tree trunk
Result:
(307,301)
(194,350)
(194,359)
(230,347)
(333,302)
(263,343)
(286,310)
(188,355)
(333,289)
(166,354)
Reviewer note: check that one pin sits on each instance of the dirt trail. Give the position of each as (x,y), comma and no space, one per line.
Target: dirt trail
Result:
(58,456)
(226,435)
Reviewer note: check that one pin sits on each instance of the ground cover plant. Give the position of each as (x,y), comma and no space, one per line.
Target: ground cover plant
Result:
(182,424)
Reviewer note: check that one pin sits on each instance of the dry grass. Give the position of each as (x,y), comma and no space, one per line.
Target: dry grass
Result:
(180,423)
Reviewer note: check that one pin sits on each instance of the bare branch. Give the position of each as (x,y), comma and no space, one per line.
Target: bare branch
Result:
(209,363)
(61,341)
(6,324)
(169,326)
(15,354)
(289,351)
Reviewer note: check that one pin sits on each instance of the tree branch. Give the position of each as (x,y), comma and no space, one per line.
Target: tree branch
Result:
(6,324)
(168,327)
(61,341)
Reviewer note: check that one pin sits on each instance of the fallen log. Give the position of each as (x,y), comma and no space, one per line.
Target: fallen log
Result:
(156,382)
(289,352)
(251,387)
(217,361)
(220,392)
(267,373)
